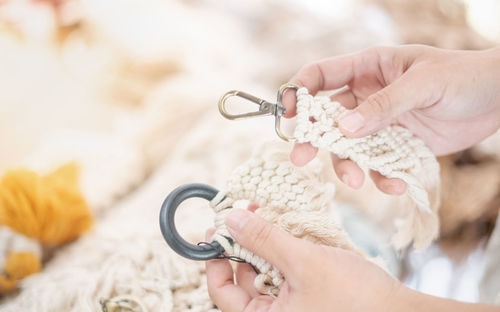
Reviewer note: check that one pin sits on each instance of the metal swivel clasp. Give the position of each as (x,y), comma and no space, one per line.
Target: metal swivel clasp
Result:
(265,108)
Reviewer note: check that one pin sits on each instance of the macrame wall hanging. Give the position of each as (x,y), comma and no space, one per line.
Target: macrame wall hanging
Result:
(295,200)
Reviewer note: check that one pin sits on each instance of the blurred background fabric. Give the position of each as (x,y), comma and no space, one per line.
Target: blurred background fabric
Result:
(129,89)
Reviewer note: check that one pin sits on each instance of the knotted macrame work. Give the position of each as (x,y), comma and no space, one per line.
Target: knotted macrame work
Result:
(393,151)
(293,199)
(296,201)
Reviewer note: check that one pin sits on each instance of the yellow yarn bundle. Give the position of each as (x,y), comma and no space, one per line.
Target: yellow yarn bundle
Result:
(49,209)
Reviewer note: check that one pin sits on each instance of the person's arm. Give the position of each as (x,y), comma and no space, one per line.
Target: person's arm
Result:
(318,278)
(416,301)
(450,99)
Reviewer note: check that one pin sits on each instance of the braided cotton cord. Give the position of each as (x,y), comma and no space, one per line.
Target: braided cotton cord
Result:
(295,200)
(270,278)
(289,197)
(393,151)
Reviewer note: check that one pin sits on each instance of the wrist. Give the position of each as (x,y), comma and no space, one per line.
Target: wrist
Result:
(410,300)
(406,299)
(489,67)
(495,52)
(493,55)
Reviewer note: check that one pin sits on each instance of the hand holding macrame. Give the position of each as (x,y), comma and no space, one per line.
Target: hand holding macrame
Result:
(449,99)
(317,277)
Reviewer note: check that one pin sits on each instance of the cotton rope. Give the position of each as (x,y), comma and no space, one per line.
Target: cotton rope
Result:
(289,197)
(102,281)
(296,201)
(392,151)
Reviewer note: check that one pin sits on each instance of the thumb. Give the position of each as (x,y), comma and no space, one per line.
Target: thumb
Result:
(263,239)
(382,107)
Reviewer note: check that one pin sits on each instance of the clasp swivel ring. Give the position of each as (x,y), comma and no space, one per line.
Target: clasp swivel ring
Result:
(204,251)
(265,108)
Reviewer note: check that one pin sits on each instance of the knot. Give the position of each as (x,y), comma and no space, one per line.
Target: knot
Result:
(220,202)
(393,151)
(279,188)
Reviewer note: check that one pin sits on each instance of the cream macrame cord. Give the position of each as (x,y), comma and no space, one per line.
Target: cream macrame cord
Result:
(393,151)
(291,198)
(295,200)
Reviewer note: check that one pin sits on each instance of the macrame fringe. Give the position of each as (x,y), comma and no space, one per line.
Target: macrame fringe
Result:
(392,151)
(293,199)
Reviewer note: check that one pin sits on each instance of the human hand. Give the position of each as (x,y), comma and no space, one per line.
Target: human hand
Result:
(317,278)
(450,99)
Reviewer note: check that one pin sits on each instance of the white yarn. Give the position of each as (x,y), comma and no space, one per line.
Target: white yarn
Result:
(393,151)
(101,265)
(289,197)
(296,201)
(111,263)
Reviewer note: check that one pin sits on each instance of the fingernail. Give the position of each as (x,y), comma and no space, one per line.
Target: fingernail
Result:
(352,122)
(237,219)
(345,179)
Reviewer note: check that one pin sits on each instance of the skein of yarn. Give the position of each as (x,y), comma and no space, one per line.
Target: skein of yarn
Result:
(37,211)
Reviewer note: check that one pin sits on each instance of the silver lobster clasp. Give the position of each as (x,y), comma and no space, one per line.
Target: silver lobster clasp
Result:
(265,108)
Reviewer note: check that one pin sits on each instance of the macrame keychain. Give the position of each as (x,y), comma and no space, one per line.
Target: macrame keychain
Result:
(393,151)
(291,198)
(295,200)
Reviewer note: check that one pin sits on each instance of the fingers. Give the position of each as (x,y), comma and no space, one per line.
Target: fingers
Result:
(261,303)
(352,175)
(346,98)
(302,153)
(348,172)
(245,276)
(252,207)
(328,74)
(382,107)
(389,186)
(263,239)
(289,100)
(221,288)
